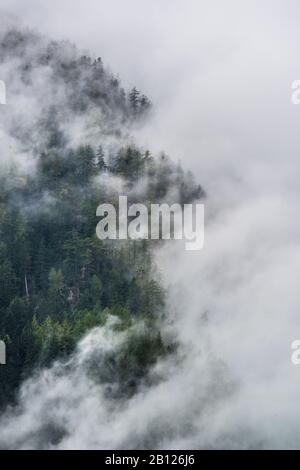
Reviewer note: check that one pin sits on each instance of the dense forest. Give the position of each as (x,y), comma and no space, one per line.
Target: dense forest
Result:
(57,279)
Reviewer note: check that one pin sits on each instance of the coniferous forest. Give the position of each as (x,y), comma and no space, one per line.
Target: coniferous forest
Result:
(58,281)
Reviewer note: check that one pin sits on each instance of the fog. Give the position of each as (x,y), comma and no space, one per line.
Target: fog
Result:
(219,76)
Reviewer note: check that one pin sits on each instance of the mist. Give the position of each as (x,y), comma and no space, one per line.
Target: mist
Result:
(220,80)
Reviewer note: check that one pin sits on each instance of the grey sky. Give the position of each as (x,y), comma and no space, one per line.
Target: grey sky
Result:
(219,73)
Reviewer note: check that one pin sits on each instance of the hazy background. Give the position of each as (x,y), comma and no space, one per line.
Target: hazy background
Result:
(219,75)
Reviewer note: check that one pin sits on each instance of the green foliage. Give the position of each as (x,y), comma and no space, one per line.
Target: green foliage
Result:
(57,280)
